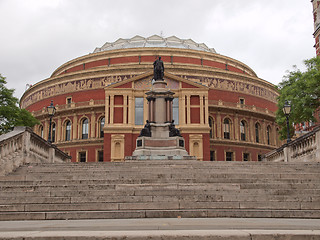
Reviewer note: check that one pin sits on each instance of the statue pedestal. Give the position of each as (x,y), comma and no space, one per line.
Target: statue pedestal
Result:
(165,141)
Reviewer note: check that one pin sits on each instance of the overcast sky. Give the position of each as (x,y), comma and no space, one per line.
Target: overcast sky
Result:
(37,36)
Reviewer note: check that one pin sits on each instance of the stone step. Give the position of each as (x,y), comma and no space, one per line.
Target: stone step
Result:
(193,213)
(193,198)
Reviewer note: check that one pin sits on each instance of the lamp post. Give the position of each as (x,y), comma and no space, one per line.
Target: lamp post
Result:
(286,110)
(51,111)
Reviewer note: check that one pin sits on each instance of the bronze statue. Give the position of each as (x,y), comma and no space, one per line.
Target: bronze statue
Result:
(146,130)
(158,69)
(173,131)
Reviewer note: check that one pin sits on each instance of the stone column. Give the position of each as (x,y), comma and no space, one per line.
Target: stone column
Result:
(75,127)
(188,109)
(236,127)
(111,108)
(125,109)
(218,125)
(107,110)
(93,124)
(131,110)
(206,107)
(201,110)
(183,109)
(59,129)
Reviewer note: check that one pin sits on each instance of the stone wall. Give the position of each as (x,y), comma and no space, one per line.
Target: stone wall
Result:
(23,146)
(303,149)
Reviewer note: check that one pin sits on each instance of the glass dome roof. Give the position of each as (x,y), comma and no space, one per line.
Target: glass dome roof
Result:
(154,41)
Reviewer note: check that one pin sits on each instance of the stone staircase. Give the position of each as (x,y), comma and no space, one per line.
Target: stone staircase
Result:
(161,189)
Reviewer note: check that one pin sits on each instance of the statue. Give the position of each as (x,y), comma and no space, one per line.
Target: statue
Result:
(146,130)
(173,131)
(158,69)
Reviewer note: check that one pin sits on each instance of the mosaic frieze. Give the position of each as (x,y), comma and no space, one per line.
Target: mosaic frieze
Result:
(238,86)
(72,86)
(145,84)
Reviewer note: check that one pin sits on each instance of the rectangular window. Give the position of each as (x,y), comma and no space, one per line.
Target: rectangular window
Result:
(100,156)
(175,110)
(246,157)
(259,157)
(229,156)
(138,117)
(212,156)
(82,156)
(69,100)
(241,100)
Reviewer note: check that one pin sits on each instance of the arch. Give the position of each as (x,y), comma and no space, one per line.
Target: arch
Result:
(243,130)
(268,135)
(102,121)
(53,132)
(257,128)
(41,131)
(84,128)
(67,125)
(211,125)
(227,123)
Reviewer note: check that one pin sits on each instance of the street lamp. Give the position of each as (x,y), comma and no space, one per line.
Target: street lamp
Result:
(286,110)
(51,111)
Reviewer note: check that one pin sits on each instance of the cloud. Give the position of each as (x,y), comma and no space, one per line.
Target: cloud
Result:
(40,35)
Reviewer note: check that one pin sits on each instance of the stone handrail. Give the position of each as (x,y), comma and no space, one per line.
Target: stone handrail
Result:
(303,149)
(240,106)
(71,106)
(23,146)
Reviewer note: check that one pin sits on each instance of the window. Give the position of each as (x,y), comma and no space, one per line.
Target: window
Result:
(85,129)
(41,131)
(268,135)
(246,157)
(100,156)
(259,157)
(229,156)
(226,129)
(82,156)
(53,133)
(175,110)
(138,118)
(241,100)
(243,130)
(257,130)
(68,100)
(102,121)
(68,131)
(211,125)
(212,155)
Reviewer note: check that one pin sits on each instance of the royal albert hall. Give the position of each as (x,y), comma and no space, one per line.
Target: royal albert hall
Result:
(224,111)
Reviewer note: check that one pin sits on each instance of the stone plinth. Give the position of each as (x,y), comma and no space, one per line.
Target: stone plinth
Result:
(163,143)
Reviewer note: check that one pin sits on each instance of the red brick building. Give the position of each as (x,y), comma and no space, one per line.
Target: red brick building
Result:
(223,110)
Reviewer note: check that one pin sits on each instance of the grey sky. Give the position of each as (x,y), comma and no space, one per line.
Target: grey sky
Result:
(37,36)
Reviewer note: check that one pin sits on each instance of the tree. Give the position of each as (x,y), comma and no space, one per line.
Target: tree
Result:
(10,114)
(303,90)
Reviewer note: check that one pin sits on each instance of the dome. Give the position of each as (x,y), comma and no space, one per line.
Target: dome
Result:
(154,41)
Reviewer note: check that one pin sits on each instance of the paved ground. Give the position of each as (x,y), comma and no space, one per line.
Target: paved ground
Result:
(167,228)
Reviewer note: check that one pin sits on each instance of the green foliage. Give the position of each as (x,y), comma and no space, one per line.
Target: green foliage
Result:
(10,114)
(303,90)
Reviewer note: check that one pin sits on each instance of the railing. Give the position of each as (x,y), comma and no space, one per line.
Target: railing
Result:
(23,146)
(240,106)
(72,106)
(303,149)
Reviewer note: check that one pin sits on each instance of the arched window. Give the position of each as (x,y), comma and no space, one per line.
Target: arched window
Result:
(68,130)
(53,133)
(102,121)
(243,130)
(211,125)
(85,129)
(268,135)
(226,128)
(41,131)
(257,130)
